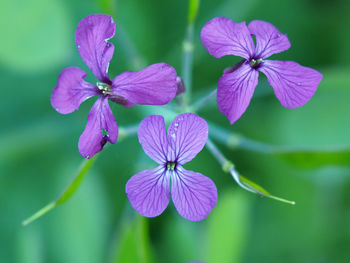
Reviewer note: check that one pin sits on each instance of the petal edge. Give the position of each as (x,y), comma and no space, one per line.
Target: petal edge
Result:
(149,191)
(153,85)
(293,84)
(235,90)
(91,39)
(152,137)
(100,118)
(194,195)
(221,36)
(71,90)
(269,40)
(187,135)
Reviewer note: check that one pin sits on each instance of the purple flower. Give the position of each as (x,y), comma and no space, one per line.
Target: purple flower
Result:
(194,195)
(154,85)
(292,83)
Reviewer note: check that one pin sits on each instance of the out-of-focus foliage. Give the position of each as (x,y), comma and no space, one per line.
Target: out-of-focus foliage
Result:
(39,156)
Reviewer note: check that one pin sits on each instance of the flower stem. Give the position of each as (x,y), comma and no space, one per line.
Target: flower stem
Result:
(228,167)
(187,51)
(200,103)
(234,140)
(38,214)
(187,63)
(127,131)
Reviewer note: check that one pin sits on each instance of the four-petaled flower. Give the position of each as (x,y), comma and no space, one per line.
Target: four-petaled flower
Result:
(154,85)
(292,83)
(194,195)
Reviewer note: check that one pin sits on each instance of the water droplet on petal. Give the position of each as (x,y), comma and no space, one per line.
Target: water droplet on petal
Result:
(176,124)
(173,135)
(299,83)
(279,35)
(78,46)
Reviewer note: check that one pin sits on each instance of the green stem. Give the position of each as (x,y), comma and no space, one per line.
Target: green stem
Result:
(136,61)
(237,141)
(127,131)
(200,103)
(38,214)
(187,63)
(187,51)
(71,189)
(228,167)
(234,140)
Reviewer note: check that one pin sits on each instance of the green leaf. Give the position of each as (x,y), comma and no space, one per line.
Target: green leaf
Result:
(261,191)
(74,185)
(311,159)
(133,242)
(66,194)
(126,244)
(227,228)
(252,184)
(193,10)
(143,240)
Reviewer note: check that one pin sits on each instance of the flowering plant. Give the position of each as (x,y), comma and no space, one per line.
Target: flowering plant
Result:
(193,194)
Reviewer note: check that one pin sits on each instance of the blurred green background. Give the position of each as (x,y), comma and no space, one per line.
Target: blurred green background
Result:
(39,155)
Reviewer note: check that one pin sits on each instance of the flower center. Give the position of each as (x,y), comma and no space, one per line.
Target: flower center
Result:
(104,88)
(171,165)
(254,63)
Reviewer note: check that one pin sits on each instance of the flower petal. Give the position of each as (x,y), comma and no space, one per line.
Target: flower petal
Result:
(154,85)
(235,91)
(221,36)
(71,90)
(100,121)
(194,195)
(269,39)
(153,139)
(91,38)
(149,191)
(293,84)
(187,135)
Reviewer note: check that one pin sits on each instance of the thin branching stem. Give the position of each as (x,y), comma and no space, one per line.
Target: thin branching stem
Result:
(228,167)
(202,102)
(187,63)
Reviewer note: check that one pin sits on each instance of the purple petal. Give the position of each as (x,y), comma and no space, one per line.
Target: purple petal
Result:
(100,121)
(221,36)
(293,84)
(194,195)
(91,38)
(71,90)
(235,91)
(187,135)
(153,139)
(149,191)
(268,39)
(154,85)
